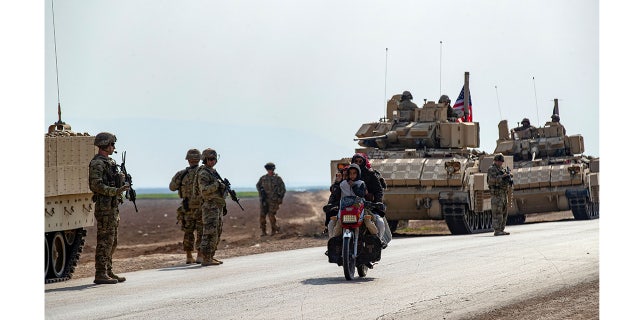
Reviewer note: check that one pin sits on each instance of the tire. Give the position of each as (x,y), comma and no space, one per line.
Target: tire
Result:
(47,257)
(393,225)
(362,271)
(348,260)
(58,255)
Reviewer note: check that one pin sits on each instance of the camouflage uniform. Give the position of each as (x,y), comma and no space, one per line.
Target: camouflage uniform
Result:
(273,189)
(191,216)
(106,184)
(213,193)
(498,187)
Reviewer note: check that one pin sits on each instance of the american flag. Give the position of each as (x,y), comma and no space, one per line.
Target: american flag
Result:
(459,105)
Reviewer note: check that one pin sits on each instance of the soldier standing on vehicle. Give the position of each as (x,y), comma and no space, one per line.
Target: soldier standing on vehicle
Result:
(189,214)
(107,185)
(271,189)
(213,192)
(499,181)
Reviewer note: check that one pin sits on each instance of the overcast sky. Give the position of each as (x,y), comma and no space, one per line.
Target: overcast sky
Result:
(291,82)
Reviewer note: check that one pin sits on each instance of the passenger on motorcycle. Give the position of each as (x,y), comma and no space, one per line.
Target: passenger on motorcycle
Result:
(375,192)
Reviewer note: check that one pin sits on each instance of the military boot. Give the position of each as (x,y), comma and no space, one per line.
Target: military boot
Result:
(115,276)
(190,259)
(264,232)
(275,230)
(219,261)
(199,257)
(103,278)
(207,260)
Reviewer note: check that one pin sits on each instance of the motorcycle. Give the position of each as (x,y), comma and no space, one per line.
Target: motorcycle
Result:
(358,247)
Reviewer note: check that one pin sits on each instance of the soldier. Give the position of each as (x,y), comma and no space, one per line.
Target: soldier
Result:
(452,115)
(405,102)
(272,190)
(189,214)
(107,185)
(526,131)
(498,180)
(213,192)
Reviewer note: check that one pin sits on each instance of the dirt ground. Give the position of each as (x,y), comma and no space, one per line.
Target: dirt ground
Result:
(151,239)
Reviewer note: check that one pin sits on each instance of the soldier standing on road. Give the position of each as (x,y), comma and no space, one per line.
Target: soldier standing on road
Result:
(107,185)
(499,181)
(213,192)
(189,214)
(271,189)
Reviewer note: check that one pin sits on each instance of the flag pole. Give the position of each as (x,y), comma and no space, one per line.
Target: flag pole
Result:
(466,96)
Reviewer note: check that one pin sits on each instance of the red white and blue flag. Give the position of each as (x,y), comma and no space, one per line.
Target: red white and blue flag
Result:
(459,105)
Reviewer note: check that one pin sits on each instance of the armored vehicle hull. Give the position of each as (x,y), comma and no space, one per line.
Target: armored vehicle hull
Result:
(429,166)
(550,173)
(68,208)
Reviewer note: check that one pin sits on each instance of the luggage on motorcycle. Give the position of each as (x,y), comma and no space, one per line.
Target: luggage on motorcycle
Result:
(370,251)
(334,250)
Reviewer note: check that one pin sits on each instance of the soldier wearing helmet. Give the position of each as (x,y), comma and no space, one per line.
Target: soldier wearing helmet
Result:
(107,185)
(452,115)
(213,192)
(188,213)
(405,102)
(499,181)
(525,131)
(271,189)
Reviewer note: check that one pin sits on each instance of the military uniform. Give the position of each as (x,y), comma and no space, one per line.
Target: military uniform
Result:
(272,190)
(213,192)
(106,183)
(499,188)
(189,214)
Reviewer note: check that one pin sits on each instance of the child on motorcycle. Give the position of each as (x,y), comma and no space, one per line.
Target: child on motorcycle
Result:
(351,190)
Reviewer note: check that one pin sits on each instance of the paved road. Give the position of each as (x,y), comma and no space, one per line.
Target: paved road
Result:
(444,277)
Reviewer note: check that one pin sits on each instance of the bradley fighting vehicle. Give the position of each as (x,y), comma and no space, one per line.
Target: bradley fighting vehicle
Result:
(428,165)
(550,173)
(68,208)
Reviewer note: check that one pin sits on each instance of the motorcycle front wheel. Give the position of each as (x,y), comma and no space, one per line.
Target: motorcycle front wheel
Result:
(348,260)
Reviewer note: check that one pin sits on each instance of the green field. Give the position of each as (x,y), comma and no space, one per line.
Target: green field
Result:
(241,195)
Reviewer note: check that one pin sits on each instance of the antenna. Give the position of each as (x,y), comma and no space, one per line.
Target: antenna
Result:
(497,98)
(386,55)
(535,94)
(440,68)
(55,50)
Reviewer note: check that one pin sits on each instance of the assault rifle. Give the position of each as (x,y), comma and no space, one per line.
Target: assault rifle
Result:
(131,193)
(509,177)
(232,192)
(263,200)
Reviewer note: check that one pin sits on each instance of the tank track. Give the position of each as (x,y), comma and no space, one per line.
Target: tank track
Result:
(581,207)
(461,220)
(72,259)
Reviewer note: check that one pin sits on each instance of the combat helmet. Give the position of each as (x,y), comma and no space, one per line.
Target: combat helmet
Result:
(406,95)
(209,153)
(525,120)
(193,154)
(104,139)
(444,98)
(498,157)
(270,166)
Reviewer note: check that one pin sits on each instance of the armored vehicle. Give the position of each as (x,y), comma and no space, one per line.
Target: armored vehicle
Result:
(550,172)
(68,208)
(429,165)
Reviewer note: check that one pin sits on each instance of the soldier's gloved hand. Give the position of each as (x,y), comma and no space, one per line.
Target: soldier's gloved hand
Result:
(124,188)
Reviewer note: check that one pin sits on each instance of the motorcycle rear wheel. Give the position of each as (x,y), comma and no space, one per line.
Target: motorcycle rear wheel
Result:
(348,260)
(362,271)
